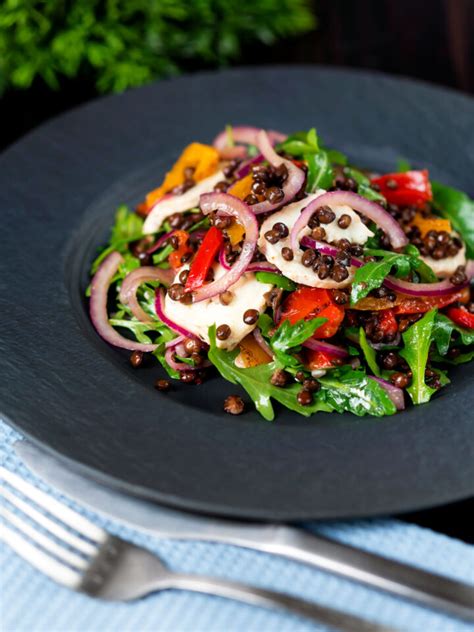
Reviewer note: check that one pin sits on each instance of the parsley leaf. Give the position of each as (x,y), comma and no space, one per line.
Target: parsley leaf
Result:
(417,340)
(276,279)
(459,209)
(127,227)
(256,381)
(364,187)
(288,338)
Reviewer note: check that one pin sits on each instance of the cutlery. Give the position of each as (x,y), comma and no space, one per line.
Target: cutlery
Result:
(74,552)
(425,588)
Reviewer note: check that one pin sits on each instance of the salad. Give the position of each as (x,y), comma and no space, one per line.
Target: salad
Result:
(301,277)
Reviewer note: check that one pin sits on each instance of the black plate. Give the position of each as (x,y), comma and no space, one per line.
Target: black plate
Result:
(69,391)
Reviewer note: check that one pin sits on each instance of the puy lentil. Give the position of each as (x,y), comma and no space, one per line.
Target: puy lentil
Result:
(145,258)
(162,385)
(175,220)
(234,405)
(318,233)
(344,221)
(300,376)
(176,291)
(272,237)
(339,273)
(186,257)
(399,379)
(251,199)
(258,187)
(313,220)
(459,277)
(311,385)
(308,258)
(192,345)
(187,298)
(223,332)
(304,397)
(187,377)
(136,359)
(250,316)
(221,187)
(287,254)
(325,215)
(226,297)
(280,378)
(357,250)
(183,276)
(323,271)
(222,221)
(340,297)
(280,229)
(281,172)
(274,195)
(390,360)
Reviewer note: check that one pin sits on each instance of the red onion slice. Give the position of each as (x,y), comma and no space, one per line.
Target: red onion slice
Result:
(160,243)
(160,312)
(395,393)
(246,166)
(255,266)
(98,306)
(325,347)
(260,340)
(293,183)
(229,205)
(133,280)
(327,249)
(373,211)
(429,289)
(245,135)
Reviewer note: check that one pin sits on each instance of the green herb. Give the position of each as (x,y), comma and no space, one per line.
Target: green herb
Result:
(369,353)
(443,330)
(119,45)
(301,143)
(364,187)
(350,390)
(462,358)
(288,339)
(403,165)
(166,335)
(230,135)
(459,209)
(127,227)
(136,327)
(163,254)
(320,171)
(276,279)
(417,340)
(256,381)
(252,151)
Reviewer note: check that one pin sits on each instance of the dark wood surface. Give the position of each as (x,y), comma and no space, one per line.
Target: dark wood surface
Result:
(432,40)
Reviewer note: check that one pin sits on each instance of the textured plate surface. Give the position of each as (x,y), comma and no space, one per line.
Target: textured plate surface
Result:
(69,391)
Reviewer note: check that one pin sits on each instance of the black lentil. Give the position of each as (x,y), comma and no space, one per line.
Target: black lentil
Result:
(325,215)
(234,405)
(162,385)
(136,359)
(280,378)
(223,332)
(287,254)
(344,221)
(250,316)
(280,229)
(304,397)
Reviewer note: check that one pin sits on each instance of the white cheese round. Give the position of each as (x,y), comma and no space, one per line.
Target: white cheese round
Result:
(179,203)
(357,233)
(444,268)
(248,293)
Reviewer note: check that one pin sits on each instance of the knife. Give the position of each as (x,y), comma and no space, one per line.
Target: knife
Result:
(401,580)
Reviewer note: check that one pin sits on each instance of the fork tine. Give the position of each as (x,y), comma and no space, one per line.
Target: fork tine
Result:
(43,540)
(54,507)
(53,527)
(39,559)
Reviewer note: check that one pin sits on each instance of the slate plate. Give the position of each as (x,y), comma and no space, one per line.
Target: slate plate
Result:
(78,397)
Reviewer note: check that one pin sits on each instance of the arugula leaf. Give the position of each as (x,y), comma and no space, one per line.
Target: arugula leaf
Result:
(301,143)
(165,336)
(369,353)
(346,389)
(135,326)
(459,209)
(417,340)
(163,254)
(462,358)
(127,227)
(276,279)
(443,330)
(320,171)
(288,338)
(256,381)
(403,165)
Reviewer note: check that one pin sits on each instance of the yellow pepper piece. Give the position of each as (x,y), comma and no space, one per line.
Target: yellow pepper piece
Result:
(235,232)
(425,224)
(251,353)
(204,159)
(242,187)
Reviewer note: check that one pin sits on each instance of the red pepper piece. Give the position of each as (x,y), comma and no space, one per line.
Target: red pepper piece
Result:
(210,246)
(461,317)
(175,258)
(387,322)
(306,303)
(411,188)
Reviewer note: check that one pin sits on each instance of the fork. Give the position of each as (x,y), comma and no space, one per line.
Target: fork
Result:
(79,555)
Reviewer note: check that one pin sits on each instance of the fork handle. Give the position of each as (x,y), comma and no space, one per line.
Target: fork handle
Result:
(254,596)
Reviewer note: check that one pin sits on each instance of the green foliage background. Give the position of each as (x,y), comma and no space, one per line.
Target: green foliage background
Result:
(123,43)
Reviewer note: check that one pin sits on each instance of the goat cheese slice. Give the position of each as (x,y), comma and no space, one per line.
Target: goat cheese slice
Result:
(444,268)
(248,293)
(169,205)
(357,233)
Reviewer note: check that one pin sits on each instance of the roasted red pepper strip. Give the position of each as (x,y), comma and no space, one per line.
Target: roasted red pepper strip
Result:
(461,317)
(176,257)
(411,188)
(320,359)
(306,303)
(387,322)
(421,304)
(211,244)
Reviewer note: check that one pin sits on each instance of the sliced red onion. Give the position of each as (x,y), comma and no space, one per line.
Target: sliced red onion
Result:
(255,266)
(246,166)
(260,340)
(229,205)
(160,312)
(326,249)
(429,289)
(133,280)
(293,183)
(395,393)
(161,242)
(373,211)
(246,136)
(325,347)
(98,306)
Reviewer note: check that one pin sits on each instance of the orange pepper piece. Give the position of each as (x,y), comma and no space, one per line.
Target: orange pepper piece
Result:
(251,353)
(175,258)
(242,188)
(425,224)
(204,159)
(235,232)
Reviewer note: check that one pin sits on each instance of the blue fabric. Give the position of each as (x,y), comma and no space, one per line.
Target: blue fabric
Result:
(31,602)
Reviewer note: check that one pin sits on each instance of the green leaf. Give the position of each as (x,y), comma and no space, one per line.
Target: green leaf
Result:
(288,338)
(364,187)
(163,254)
(443,330)
(350,390)
(320,171)
(462,358)
(369,353)
(417,340)
(403,165)
(256,381)
(276,279)
(127,227)
(459,209)
(369,277)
